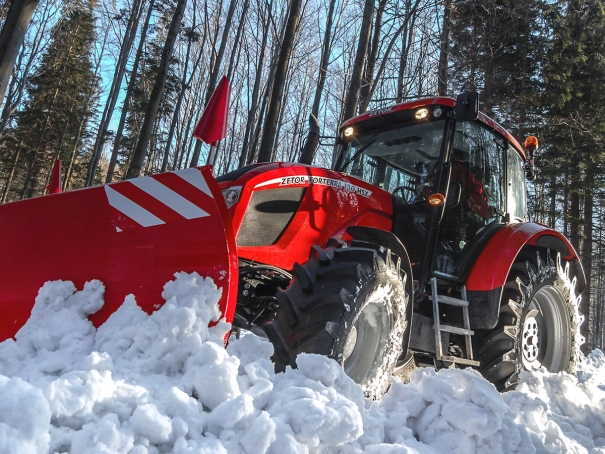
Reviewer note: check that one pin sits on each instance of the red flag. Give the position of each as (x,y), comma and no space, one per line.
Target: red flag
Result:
(54,186)
(212,126)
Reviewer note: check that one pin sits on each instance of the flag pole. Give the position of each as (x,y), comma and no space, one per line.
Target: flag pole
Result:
(212,153)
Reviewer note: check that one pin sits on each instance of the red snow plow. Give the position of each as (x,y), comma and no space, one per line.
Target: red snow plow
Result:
(413,250)
(132,235)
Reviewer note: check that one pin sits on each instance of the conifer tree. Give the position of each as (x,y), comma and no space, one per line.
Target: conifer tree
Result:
(574,75)
(539,68)
(498,49)
(58,107)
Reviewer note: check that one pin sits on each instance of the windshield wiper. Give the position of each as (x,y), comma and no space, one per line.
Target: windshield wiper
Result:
(358,152)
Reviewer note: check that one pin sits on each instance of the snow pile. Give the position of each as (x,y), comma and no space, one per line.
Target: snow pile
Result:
(164,383)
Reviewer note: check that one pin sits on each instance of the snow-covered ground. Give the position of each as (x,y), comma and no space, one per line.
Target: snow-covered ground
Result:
(165,383)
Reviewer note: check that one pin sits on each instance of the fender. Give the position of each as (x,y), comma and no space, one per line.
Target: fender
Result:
(493,264)
(383,238)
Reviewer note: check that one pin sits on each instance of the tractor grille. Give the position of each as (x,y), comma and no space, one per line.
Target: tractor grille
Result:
(268,215)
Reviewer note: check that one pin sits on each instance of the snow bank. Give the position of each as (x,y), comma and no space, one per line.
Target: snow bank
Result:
(164,383)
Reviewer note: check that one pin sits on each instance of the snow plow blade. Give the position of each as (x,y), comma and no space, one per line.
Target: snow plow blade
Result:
(132,235)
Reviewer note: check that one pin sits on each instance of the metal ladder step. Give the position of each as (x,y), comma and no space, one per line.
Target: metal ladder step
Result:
(450,301)
(457,360)
(456,330)
(464,331)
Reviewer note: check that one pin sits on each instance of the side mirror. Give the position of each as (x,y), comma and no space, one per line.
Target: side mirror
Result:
(531,145)
(467,106)
(338,157)
(308,149)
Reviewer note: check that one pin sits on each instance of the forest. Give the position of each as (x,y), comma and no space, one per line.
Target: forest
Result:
(114,89)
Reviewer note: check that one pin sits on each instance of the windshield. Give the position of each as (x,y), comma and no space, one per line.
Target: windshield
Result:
(399,160)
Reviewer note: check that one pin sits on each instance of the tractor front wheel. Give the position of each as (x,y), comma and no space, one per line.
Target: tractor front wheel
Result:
(539,322)
(351,304)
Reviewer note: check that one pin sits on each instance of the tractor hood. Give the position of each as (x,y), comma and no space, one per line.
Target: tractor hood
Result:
(277,206)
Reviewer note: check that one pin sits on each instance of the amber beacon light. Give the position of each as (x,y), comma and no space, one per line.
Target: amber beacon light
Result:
(436,199)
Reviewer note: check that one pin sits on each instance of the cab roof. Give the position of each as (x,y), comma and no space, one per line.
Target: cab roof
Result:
(442,101)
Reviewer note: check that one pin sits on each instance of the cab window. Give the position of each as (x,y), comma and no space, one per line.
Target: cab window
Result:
(399,160)
(482,153)
(515,181)
(477,173)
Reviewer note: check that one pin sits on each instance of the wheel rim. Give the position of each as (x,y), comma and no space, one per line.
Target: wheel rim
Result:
(546,331)
(366,340)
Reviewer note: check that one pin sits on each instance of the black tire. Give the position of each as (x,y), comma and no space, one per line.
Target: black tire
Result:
(539,322)
(350,304)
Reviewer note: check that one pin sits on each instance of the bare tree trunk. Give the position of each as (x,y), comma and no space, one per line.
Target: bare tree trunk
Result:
(408,34)
(126,105)
(175,115)
(566,205)
(280,122)
(184,87)
(180,155)
(444,51)
(30,170)
(270,129)
(245,157)
(153,143)
(587,260)
(553,202)
(352,96)
(12,36)
(238,37)
(221,52)
(9,105)
(368,73)
(326,48)
(374,83)
(129,37)
(259,123)
(156,93)
(574,208)
(14,98)
(72,158)
(11,174)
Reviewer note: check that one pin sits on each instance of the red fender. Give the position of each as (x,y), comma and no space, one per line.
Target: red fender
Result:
(132,235)
(495,260)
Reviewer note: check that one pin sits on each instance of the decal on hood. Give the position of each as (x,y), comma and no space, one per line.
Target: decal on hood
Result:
(320,181)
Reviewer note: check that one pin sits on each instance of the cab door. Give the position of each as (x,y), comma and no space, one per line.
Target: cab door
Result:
(477,202)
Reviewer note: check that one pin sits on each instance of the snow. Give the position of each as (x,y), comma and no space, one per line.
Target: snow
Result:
(164,383)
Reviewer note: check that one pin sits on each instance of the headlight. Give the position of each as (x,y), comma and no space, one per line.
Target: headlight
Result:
(421,113)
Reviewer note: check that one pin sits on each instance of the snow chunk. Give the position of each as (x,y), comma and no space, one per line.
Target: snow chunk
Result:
(24,417)
(165,383)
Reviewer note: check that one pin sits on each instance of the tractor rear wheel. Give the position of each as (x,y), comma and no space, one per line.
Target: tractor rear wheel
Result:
(351,304)
(539,322)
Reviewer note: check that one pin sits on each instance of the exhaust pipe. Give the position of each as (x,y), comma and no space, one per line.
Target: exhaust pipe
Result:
(308,150)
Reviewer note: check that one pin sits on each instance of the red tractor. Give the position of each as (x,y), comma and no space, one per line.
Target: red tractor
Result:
(413,250)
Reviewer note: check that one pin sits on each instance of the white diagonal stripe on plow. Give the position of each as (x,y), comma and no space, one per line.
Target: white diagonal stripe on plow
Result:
(194,176)
(169,198)
(135,212)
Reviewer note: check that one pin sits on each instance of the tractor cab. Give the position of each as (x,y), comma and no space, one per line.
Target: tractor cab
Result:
(455,179)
